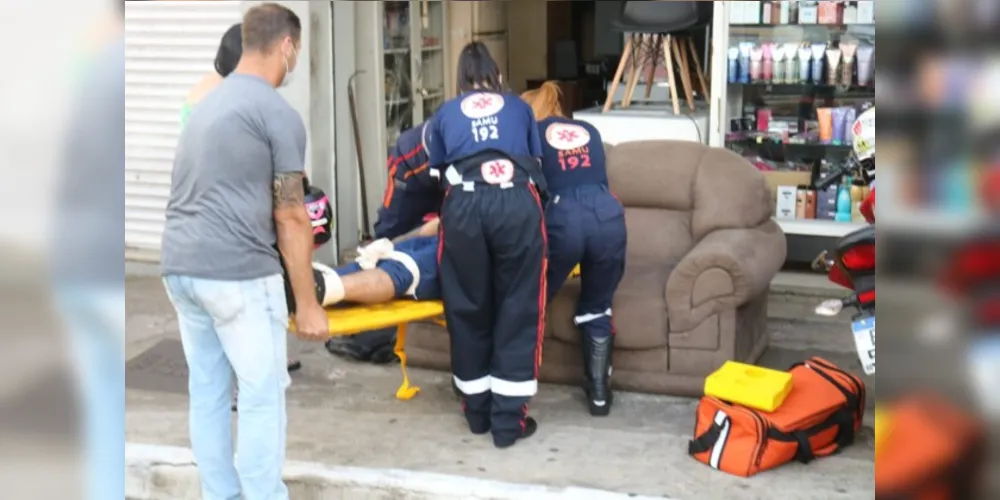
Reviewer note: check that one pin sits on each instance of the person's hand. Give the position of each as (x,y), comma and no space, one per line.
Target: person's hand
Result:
(311,323)
(430,228)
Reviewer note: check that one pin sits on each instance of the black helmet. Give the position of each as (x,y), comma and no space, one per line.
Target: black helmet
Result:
(320,213)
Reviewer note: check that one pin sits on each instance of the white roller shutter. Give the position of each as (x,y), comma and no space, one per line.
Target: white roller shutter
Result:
(169,47)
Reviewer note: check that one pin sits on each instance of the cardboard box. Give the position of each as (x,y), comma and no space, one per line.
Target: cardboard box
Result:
(736,12)
(808,13)
(866,12)
(752,12)
(851,14)
(785,178)
(784,207)
(830,13)
(785,12)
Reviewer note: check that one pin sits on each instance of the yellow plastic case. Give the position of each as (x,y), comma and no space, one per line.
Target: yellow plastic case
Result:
(881,429)
(751,386)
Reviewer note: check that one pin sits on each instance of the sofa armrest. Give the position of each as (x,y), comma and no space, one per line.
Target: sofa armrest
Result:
(723,271)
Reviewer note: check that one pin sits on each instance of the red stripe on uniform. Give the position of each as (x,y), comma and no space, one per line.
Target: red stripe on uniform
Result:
(542,284)
(393,165)
(390,188)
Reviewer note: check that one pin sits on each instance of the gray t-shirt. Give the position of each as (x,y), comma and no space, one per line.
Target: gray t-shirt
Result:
(220,223)
(88,245)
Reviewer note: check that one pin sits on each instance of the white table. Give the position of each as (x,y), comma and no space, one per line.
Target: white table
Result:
(642,122)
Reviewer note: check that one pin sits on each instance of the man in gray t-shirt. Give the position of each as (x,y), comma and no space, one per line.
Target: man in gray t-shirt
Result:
(220,223)
(237,191)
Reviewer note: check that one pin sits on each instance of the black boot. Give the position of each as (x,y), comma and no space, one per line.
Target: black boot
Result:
(530,426)
(597,369)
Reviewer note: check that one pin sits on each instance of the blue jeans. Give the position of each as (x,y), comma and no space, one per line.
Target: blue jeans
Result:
(95,321)
(236,327)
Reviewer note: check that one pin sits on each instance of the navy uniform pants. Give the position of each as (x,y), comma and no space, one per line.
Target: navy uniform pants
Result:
(492,272)
(586,225)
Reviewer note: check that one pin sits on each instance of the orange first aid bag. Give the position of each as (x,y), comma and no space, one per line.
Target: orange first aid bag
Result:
(821,415)
(936,451)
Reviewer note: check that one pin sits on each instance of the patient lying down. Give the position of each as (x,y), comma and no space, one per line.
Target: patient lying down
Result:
(383,272)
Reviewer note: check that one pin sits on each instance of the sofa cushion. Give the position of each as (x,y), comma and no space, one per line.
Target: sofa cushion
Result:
(655,174)
(657,235)
(729,193)
(640,308)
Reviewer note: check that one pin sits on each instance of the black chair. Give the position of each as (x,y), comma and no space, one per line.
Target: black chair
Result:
(652,26)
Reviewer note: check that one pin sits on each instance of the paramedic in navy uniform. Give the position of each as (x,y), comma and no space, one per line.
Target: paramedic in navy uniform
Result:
(484,147)
(586,225)
(410,194)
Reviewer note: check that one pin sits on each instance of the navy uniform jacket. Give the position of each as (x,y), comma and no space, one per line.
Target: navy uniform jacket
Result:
(572,154)
(476,122)
(410,193)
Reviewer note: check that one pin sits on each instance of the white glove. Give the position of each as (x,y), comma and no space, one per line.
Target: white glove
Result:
(368,256)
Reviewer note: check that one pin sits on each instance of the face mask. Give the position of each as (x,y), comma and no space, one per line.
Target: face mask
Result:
(288,71)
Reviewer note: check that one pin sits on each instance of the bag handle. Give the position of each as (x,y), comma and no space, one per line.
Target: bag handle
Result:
(843,418)
(714,439)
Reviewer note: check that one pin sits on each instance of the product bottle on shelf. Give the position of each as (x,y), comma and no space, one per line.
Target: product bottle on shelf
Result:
(844,202)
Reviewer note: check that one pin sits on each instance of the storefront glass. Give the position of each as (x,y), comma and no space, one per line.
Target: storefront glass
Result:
(413,57)
(796,73)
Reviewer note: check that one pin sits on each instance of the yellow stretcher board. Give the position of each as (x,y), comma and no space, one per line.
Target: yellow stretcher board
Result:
(398,313)
(575,273)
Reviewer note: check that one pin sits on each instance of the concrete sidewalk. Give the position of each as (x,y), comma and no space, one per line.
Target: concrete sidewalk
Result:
(345,423)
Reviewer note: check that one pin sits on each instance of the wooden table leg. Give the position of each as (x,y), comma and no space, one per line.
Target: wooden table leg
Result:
(697,67)
(670,73)
(618,74)
(654,55)
(635,71)
(682,63)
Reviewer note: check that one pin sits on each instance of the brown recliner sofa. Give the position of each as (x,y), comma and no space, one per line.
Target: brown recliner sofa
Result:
(702,250)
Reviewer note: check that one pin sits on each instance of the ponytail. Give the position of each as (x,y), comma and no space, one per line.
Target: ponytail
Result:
(545,101)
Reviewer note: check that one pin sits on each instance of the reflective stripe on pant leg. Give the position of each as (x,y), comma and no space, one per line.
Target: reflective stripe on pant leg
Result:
(586,318)
(512,389)
(471,387)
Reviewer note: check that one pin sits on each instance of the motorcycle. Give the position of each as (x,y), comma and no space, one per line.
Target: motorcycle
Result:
(851,264)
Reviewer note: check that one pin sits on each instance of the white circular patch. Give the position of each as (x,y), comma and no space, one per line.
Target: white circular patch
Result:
(566,136)
(497,171)
(481,105)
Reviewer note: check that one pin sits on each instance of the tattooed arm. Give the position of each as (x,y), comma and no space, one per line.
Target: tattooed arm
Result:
(295,238)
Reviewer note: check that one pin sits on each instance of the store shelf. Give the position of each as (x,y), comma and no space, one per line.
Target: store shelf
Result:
(839,27)
(792,151)
(396,51)
(816,227)
(808,88)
